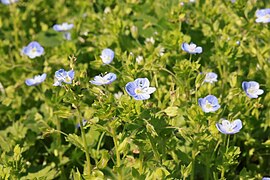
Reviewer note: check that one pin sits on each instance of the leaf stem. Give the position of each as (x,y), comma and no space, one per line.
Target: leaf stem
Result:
(86,148)
(118,160)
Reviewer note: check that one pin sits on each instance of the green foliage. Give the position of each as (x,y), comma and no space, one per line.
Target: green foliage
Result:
(165,137)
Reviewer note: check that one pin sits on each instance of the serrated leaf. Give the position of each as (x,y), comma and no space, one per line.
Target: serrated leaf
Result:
(171,111)
(46,173)
(76,141)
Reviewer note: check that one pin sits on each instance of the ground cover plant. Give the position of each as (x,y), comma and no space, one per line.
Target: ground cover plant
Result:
(134,89)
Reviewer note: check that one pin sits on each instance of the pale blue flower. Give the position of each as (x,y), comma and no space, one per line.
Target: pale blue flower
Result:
(139,89)
(63,76)
(102,80)
(266,178)
(211,77)
(63,27)
(67,36)
(252,89)
(263,15)
(209,103)
(191,48)
(33,49)
(36,80)
(107,56)
(7,2)
(227,127)
(83,123)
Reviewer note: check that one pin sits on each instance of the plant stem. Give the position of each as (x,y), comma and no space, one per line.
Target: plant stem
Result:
(193,156)
(79,117)
(59,142)
(14,16)
(84,143)
(156,154)
(141,162)
(228,142)
(118,160)
(100,140)
(190,57)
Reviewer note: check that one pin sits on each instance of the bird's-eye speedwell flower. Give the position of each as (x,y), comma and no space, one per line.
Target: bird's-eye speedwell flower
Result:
(102,80)
(252,89)
(227,127)
(107,56)
(36,80)
(84,121)
(63,76)
(33,49)
(63,27)
(263,15)
(209,103)
(7,2)
(191,48)
(139,89)
(211,77)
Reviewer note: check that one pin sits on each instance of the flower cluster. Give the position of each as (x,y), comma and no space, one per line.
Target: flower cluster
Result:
(210,103)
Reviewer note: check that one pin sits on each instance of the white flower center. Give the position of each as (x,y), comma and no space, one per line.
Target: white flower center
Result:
(139,91)
(266,17)
(208,105)
(192,47)
(34,50)
(251,90)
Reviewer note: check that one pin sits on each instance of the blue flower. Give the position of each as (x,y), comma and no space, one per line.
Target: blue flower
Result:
(62,27)
(7,2)
(227,127)
(209,103)
(191,48)
(263,15)
(83,123)
(107,56)
(211,77)
(101,80)
(33,49)
(67,36)
(36,80)
(63,76)
(251,89)
(266,178)
(139,89)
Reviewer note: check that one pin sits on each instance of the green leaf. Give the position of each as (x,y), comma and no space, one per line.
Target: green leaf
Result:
(46,173)
(76,141)
(171,111)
